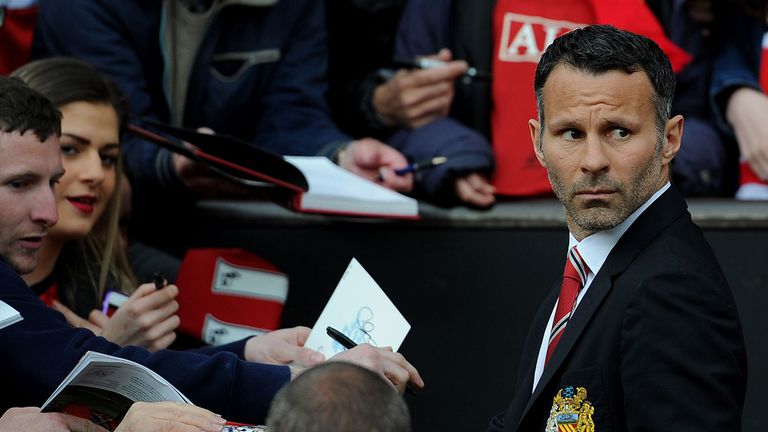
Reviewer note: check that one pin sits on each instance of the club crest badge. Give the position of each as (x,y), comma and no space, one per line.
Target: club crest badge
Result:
(571,411)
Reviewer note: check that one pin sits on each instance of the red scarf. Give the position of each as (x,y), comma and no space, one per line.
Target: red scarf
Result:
(16,33)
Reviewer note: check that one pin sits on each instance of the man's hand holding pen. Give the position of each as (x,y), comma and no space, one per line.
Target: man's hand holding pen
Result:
(413,374)
(286,347)
(376,161)
(413,98)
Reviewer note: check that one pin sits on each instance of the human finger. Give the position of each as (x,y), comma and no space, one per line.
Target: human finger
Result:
(390,179)
(169,417)
(283,346)
(74,319)
(161,343)
(443,55)
(447,73)
(475,190)
(429,110)
(479,183)
(415,96)
(158,298)
(400,372)
(150,319)
(98,318)
(77,424)
(163,327)
(298,334)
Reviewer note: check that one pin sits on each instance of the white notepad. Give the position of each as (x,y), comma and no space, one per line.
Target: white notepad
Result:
(362,311)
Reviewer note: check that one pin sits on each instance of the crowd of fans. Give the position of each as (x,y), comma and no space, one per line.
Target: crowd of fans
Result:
(340,79)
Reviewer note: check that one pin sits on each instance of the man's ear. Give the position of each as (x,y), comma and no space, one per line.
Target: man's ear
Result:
(535,128)
(673,138)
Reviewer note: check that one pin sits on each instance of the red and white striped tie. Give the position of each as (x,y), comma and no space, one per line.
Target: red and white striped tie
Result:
(574,278)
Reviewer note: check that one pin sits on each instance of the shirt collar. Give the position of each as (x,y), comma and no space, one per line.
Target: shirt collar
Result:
(595,248)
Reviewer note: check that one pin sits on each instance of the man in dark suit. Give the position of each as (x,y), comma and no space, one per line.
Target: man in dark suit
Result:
(642,332)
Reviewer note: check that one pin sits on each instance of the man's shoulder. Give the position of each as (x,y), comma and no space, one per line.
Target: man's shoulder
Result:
(9,279)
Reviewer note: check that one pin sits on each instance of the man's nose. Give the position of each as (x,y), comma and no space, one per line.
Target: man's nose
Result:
(594,158)
(44,210)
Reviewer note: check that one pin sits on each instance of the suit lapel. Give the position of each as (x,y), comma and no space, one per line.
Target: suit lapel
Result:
(665,210)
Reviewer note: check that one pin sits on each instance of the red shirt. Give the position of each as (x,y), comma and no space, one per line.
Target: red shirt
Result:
(522,30)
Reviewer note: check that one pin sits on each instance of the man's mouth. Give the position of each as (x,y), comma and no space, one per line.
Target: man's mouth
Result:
(595,192)
(32,242)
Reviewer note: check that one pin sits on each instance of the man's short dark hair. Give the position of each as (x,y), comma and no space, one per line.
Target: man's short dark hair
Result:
(23,109)
(339,397)
(598,49)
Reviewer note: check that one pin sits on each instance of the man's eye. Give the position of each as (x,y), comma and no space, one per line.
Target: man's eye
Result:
(571,134)
(18,184)
(619,133)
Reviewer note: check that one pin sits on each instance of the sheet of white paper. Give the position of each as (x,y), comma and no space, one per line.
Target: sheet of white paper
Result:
(359,309)
(8,315)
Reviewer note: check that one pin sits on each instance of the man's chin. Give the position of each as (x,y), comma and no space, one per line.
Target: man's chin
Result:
(23,264)
(597,218)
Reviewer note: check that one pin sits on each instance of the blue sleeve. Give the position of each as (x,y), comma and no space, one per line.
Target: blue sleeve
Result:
(296,119)
(736,60)
(123,44)
(467,151)
(424,28)
(38,352)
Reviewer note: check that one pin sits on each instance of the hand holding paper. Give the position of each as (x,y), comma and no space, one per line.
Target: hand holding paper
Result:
(284,346)
(360,309)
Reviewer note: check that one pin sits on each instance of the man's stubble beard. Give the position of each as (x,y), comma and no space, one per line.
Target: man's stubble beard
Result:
(600,217)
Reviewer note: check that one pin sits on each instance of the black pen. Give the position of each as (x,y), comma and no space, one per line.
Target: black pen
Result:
(159,280)
(428,63)
(348,343)
(340,338)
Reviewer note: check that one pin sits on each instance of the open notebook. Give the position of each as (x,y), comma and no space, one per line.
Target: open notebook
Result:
(317,185)
(335,190)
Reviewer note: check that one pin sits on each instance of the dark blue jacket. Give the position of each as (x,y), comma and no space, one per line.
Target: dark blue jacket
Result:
(259,73)
(38,352)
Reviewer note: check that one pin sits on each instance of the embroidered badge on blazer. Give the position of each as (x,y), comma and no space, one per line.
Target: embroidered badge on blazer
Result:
(571,411)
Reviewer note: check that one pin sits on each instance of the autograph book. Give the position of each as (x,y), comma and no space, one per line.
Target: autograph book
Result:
(315,184)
